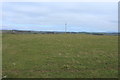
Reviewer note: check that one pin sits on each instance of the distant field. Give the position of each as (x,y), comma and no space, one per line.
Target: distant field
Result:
(60,56)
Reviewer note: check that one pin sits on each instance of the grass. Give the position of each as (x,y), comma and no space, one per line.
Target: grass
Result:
(60,56)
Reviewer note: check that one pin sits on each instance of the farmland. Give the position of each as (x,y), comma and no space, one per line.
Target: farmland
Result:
(59,56)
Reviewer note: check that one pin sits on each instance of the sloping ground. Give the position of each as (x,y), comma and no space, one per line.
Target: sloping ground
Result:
(60,56)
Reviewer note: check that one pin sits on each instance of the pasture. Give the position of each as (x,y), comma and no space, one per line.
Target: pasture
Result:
(59,56)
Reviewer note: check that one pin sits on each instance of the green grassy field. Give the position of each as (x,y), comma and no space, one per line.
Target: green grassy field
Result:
(59,56)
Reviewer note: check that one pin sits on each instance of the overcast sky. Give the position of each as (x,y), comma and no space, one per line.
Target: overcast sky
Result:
(52,16)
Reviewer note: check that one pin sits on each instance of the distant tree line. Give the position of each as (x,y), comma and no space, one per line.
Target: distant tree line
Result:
(54,32)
